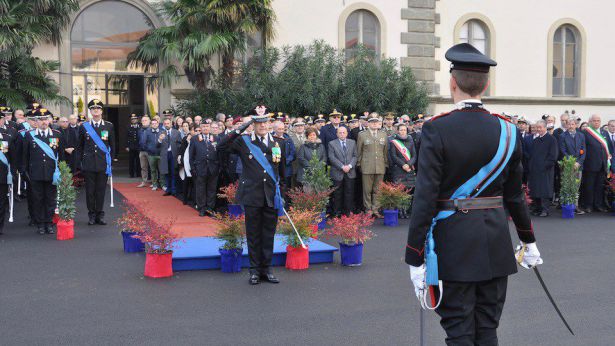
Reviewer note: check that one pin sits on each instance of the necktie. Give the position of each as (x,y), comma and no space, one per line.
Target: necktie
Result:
(263,141)
(344,146)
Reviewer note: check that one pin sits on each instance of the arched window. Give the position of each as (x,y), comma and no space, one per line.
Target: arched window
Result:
(362,27)
(566,61)
(475,33)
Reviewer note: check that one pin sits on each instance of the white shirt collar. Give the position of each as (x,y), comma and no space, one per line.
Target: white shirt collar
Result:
(41,133)
(97,123)
(462,104)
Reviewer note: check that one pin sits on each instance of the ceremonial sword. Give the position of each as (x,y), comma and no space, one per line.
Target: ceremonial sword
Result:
(544,287)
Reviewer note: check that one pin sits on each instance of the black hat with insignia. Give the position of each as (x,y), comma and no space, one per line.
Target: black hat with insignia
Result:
(353,118)
(168,113)
(34,105)
(465,57)
(6,110)
(42,113)
(95,103)
(319,119)
(133,116)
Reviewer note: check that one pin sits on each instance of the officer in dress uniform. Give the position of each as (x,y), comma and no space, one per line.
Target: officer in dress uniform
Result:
(42,150)
(26,127)
(205,168)
(94,161)
(473,245)
(7,169)
(132,147)
(257,192)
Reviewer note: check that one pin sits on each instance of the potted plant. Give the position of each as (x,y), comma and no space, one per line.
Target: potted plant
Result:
(159,242)
(311,201)
(318,181)
(66,204)
(353,231)
(131,223)
(233,233)
(229,193)
(298,257)
(570,182)
(391,197)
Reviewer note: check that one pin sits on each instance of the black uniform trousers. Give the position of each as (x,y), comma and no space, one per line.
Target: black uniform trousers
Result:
(470,311)
(592,190)
(206,188)
(44,197)
(134,164)
(95,187)
(261,223)
(4,203)
(343,196)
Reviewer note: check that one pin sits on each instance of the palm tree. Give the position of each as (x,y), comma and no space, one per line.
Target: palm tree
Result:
(199,30)
(25,24)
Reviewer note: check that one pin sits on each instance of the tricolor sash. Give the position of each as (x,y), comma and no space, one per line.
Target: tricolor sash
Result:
(49,152)
(471,189)
(603,143)
(278,202)
(100,144)
(402,149)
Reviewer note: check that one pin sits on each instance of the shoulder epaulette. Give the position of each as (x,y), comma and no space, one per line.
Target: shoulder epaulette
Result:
(441,115)
(501,117)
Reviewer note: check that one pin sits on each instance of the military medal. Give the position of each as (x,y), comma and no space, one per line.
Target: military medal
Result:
(104,134)
(276,153)
(53,142)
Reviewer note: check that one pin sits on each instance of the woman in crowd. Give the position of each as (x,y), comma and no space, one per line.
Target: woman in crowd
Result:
(177,122)
(311,147)
(584,126)
(184,130)
(183,161)
(402,161)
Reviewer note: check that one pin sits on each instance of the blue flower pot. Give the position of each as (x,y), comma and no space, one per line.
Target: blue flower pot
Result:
(230,260)
(131,244)
(568,211)
(352,255)
(391,217)
(323,223)
(235,210)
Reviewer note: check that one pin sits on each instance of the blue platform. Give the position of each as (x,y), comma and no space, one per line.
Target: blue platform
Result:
(202,253)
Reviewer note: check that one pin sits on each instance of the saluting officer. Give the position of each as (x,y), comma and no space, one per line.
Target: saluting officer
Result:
(7,166)
(257,191)
(132,147)
(472,241)
(42,150)
(95,149)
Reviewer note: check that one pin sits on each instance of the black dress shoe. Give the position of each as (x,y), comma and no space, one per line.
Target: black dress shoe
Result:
(41,230)
(601,210)
(543,214)
(270,278)
(91,221)
(100,221)
(49,229)
(202,213)
(254,279)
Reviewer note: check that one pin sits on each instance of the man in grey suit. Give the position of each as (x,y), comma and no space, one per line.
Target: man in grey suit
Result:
(170,140)
(342,155)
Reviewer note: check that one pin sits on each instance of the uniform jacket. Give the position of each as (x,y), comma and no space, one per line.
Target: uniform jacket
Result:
(172,140)
(304,155)
(398,161)
(573,146)
(256,188)
(541,170)
(354,133)
(91,158)
(36,164)
(132,136)
(595,160)
(372,152)
(476,245)
(204,156)
(328,133)
(338,158)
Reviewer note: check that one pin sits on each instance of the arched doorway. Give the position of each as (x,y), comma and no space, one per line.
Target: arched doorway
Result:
(101,37)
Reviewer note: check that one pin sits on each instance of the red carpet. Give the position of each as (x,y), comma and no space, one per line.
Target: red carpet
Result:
(187,222)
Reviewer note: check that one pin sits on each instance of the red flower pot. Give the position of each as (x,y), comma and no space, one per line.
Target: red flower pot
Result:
(55,218)
(158,265)
(297,258)
(66,230)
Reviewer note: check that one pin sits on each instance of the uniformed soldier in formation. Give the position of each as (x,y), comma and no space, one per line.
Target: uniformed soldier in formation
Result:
(473,245)
(42,150)
(27,127)
(257,190)
(132,147)
(95,163)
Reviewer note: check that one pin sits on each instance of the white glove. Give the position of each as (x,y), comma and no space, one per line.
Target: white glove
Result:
(417,275)
(530,257)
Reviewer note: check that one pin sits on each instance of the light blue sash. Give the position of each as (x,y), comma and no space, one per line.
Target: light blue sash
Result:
(100,144)
(49,152)
(258,154)
(508,135)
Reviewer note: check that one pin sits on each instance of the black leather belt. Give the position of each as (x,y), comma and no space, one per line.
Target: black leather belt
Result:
(471,203)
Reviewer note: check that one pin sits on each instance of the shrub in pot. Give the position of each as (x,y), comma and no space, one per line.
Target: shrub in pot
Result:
(232,233)
(66,204)
(229,193)
(297,257)
(159,242)
(311,200)
(317,182)
(131,223)
(570,182)
(391,198)
(353,231)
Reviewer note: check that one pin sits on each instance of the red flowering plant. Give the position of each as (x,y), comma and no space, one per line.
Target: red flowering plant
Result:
(229,193)
(157,236)
(303,221)
(351,229)
(393,196)
(232,232)
(131,219)
(309,201)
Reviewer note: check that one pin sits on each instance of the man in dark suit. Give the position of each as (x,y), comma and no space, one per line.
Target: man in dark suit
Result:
(541,169)
(95,163)
(474,248)
(595,168)
(205,167)
(257,191)
(342,156)
(42,171)
(168,144)
(572,143)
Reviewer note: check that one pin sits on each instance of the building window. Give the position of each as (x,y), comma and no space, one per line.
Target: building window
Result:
(566,61)
(362,27)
